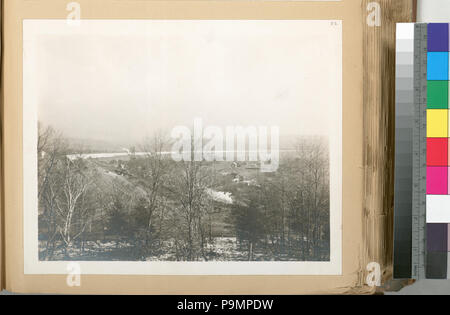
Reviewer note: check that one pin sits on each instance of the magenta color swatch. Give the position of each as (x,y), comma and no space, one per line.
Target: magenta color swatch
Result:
(437,180)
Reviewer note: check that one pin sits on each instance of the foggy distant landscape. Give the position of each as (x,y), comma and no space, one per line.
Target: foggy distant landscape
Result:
(138,204)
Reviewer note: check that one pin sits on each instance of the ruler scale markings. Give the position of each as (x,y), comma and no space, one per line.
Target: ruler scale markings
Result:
(419,152)
(423,150)
(416,156)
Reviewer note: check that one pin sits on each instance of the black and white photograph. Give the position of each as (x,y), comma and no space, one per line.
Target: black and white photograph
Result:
(183,147)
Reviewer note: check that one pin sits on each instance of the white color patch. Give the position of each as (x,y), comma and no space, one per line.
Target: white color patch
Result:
(438,209)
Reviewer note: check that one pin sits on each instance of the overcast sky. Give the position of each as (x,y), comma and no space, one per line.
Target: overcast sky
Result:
(122,80)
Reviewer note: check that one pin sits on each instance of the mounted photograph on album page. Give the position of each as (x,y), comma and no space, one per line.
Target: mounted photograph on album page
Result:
(188,147)
(195,147)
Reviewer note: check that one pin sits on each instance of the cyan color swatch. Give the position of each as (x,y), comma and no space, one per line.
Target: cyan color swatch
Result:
(438,66)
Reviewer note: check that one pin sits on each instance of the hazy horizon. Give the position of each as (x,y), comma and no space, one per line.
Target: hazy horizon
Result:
(122,82)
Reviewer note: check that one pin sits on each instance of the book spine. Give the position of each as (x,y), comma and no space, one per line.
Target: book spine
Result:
(379,129)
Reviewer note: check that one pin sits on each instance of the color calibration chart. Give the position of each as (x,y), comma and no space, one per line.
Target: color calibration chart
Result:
(438,163)
(422,171)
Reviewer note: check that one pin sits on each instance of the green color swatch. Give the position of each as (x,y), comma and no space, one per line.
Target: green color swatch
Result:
(438,95)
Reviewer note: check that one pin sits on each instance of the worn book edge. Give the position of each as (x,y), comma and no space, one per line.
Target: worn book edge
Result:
(379,135)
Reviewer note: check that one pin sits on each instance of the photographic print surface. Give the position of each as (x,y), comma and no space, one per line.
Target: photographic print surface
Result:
(183,147)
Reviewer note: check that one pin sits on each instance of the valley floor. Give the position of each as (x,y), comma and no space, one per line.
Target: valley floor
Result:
(223,249)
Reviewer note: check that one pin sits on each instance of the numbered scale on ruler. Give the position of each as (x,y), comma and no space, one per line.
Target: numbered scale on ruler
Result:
(419,152)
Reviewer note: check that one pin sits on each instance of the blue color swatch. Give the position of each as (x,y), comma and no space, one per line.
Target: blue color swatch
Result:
(437,66)
(438,39)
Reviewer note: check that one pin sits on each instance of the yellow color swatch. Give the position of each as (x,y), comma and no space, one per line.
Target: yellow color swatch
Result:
(437,123)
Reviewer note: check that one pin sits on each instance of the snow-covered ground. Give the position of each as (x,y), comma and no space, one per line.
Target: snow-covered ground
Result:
(222,249)
(220,196)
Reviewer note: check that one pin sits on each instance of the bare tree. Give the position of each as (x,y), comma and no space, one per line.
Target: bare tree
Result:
(309,198)
(191,180)
(51,148)
(74,184)
(150,172)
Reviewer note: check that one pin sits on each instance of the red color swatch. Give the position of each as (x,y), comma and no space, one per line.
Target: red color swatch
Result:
(437,151)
